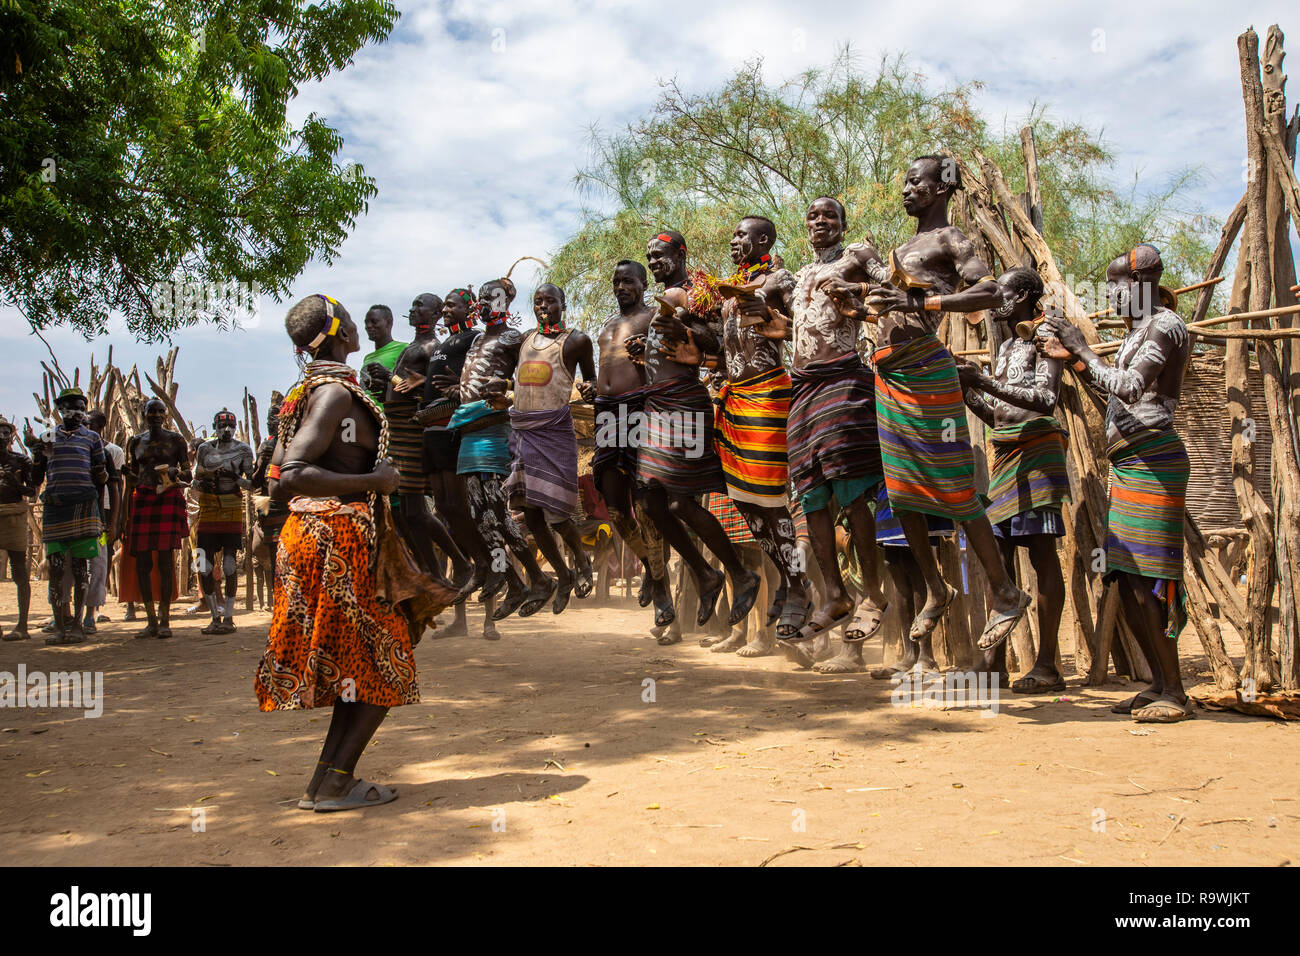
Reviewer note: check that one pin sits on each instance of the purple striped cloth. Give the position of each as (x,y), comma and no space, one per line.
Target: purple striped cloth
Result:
(544,461)
(832,427)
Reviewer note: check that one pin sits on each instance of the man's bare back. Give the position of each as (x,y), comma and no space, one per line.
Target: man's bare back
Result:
(332,409)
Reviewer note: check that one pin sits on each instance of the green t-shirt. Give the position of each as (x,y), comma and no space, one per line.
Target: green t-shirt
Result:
(387,357)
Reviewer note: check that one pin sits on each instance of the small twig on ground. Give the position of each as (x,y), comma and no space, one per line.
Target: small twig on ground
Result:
(1180,819)
(786,851)
(797,848)
(690,826)
(1209,823)
(1145,791)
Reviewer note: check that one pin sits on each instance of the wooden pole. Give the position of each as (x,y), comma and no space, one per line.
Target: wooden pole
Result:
(1280,364)
(1033,192)
(1257,287)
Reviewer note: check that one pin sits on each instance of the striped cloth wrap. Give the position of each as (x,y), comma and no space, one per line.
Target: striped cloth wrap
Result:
(750,426)
(221,513)
(544,456)
(832,428)
(1028,468)
(1148,492)
(405,437)
(924,442)
(678,453)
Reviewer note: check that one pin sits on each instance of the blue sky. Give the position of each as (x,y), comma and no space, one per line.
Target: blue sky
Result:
(473,118)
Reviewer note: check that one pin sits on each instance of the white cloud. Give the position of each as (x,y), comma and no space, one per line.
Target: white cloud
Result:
(474,151)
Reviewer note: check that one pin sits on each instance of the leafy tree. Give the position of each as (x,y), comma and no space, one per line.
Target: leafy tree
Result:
(145,143)
(699,162)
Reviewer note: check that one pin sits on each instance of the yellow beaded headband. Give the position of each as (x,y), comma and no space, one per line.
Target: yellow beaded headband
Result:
(333,326)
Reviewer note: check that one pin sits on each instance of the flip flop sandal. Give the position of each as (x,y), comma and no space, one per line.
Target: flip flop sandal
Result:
(509,604)
(492,586)
(793,618)
(668,637)
(744,601)
(887,672)
(709,600)
(533,605)
(923,625)
(777,606)
(646,594)
(857,632)
(562,592)
(16,636)
(1001,625)
(148,631)
(1138,701)
(1164,711)
(1037,685)
(58,641)
(355,799)
(586,583)
(812,628)
(164,633)
(665,615)
(213,628)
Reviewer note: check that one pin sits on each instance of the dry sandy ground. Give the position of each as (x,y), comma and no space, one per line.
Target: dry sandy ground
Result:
(540,749)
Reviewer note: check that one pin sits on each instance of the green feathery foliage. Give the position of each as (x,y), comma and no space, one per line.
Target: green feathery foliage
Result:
(699,162)
(145,151)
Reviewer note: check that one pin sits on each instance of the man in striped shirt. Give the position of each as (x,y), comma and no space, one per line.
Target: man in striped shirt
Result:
(71,465)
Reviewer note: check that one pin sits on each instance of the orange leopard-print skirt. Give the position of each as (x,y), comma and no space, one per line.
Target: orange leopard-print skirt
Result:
(331,637)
